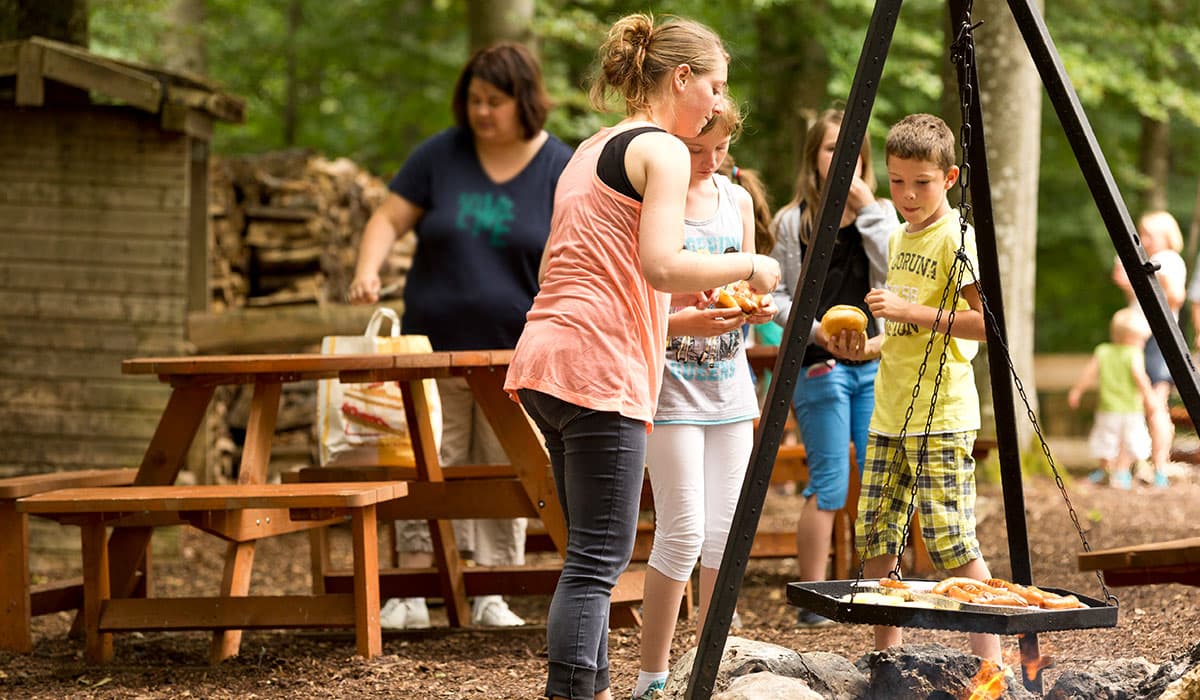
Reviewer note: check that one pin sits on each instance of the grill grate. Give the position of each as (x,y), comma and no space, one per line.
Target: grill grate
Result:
(825,598)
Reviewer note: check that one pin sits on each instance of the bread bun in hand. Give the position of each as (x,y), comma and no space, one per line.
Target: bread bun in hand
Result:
(843,317)
(738,295)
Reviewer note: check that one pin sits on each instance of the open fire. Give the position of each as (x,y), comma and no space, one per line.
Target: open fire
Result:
(988,683)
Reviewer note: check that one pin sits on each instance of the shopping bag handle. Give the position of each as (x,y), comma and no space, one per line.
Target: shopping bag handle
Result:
(377,321)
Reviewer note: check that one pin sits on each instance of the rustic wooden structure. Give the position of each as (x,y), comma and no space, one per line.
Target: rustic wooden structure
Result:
(103,247)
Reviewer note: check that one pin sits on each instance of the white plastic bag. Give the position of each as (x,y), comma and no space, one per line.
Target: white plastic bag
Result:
(362,424)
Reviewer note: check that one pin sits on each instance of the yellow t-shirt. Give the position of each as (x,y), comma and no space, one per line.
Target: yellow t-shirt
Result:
(919,266)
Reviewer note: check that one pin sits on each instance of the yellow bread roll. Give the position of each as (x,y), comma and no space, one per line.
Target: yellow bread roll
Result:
(843,317)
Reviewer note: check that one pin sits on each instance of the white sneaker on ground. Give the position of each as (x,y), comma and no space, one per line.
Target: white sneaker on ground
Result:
(404,613)
(492,611)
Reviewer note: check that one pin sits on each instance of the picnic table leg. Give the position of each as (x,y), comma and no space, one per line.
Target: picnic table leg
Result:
(96,589)
(164,458)
(525,451)
(15,607)
(429,468)
(256,456)
(366,583)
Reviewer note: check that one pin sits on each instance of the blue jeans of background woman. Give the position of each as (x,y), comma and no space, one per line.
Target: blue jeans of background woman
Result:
(833,404)
(598,459)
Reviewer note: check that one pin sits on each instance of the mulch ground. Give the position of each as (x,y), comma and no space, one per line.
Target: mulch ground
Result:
(1155,622)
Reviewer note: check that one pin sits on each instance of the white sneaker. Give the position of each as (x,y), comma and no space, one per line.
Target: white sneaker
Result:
(404,613)
(492,611)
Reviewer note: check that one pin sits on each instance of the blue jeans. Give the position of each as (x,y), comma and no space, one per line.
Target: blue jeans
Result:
(598,460)
(833,409)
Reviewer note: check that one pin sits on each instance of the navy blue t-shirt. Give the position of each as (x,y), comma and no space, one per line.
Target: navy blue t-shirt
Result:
(479,243)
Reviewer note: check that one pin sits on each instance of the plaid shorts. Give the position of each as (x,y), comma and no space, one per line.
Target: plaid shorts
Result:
(945,497)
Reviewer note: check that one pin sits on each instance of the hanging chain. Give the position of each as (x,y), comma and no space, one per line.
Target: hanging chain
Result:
(963,55)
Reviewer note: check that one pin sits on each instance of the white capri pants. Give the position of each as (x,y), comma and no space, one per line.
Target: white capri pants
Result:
(467,438)
(696,474)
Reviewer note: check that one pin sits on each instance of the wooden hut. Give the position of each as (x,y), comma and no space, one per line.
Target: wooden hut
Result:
(103,246)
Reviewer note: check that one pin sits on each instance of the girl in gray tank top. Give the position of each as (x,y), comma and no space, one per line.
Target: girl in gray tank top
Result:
(704,424)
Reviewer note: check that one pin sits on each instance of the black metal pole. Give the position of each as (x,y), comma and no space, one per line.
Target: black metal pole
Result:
(1007,440)
(787,365)
(1109,202)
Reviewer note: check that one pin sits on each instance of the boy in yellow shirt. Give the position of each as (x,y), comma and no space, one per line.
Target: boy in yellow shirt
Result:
(921,263)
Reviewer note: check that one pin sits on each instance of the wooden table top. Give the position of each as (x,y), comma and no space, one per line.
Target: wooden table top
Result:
(212,497)
(295,367)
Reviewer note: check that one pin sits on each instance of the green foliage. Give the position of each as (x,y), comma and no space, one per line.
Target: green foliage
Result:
(369,79)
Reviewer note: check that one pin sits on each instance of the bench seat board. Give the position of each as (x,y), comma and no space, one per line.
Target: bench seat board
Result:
(30,484)
(215,497)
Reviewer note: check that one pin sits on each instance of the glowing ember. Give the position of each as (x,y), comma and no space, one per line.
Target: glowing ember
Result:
(988,683)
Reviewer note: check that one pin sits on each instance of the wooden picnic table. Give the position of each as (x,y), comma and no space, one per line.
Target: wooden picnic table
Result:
(523,488)
(1172,561)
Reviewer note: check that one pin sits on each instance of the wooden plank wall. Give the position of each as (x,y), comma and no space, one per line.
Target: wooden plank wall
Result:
(93,269)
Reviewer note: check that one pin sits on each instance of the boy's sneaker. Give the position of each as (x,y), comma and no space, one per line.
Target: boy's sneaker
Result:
(808,619)
(404,614)
(1161,481)
(492,611)
(654,691)
(1122,480)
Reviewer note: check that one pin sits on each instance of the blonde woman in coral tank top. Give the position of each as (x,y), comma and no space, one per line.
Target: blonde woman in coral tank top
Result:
(589,363)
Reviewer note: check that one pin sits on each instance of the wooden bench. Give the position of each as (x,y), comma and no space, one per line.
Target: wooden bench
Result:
(20,602)
(468,491)
(1173,561)
(94,508)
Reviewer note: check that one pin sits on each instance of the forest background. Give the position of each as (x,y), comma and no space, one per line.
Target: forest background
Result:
(369,79)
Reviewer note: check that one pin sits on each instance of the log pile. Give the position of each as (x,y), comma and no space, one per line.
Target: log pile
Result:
(285,229)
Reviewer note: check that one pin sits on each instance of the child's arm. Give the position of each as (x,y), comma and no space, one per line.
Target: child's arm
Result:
(968,323)
(1087,379)
(703,323)
(1146,389)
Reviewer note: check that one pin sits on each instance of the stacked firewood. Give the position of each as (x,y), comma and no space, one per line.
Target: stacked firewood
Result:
(286,228)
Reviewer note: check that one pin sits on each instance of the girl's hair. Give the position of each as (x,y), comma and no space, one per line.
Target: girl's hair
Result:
(764,234)
(637,57)
(808,181)
(513,70)
(1164,223)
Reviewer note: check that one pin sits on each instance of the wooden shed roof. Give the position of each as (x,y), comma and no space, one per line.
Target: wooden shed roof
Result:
(186,102)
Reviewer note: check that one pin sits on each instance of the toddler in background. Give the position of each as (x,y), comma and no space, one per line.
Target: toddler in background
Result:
(1119,434)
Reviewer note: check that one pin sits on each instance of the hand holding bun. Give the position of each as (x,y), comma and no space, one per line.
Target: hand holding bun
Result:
(843,317)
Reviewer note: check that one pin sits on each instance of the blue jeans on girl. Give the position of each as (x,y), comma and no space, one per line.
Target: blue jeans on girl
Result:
(833,406)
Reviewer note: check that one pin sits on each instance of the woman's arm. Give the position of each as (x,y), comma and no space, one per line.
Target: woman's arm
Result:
(658,167)
(876,222)
(395,216)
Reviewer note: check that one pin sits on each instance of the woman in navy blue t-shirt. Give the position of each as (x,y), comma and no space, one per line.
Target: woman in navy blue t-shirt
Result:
(479,197)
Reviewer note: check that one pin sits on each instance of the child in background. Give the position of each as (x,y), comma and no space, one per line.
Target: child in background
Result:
(834,395)
(704,424)
(1119,434)
(921,263)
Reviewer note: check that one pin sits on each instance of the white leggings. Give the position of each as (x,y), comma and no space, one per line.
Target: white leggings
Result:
(696,472)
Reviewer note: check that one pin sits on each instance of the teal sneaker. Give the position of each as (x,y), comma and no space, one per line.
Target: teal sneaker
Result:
(654,691)
(1161,481)
(1122,480)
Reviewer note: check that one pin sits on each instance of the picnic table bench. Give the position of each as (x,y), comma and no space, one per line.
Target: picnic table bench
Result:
(19,601)
(1172,561)
(94,508)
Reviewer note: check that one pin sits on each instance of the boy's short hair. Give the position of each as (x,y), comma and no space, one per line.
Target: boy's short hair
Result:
(922,137)
(1128,322)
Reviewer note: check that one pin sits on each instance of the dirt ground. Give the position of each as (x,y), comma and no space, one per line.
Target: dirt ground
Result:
(1154,622)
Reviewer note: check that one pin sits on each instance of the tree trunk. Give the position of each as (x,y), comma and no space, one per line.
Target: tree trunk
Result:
(1155,162)
(490,21)
(61,20)
(1012,107)
(291,107)
(183,45)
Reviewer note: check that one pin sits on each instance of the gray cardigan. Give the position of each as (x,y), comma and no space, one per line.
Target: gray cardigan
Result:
(876,222)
